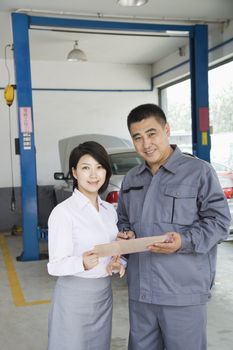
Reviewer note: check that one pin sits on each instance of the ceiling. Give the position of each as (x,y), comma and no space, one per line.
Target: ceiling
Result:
(111,47)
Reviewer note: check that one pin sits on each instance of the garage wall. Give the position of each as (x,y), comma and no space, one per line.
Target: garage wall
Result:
(175,66)
(72,113)
(70,99)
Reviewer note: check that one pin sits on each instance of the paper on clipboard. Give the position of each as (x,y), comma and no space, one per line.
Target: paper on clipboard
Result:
(127,246)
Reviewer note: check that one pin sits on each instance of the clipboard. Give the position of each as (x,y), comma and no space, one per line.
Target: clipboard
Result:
(127,246)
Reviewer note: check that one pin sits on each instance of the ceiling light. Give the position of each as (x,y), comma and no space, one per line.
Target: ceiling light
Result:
(76,54)
(132,2)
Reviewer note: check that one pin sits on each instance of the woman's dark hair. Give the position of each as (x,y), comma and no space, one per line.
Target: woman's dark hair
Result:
(98,152)
(146,111)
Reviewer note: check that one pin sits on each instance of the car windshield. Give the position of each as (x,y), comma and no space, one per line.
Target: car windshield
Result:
(122,162)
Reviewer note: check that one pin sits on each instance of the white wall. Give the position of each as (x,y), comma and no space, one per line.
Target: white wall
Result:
(60,114)
(223,33)
(220,34)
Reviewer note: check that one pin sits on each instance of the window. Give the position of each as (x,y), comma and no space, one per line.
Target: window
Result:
(176,102)
(123,162)
(221,113)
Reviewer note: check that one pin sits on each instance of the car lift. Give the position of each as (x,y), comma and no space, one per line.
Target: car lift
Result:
(21,23)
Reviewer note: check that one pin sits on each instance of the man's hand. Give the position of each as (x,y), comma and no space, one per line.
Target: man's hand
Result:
(169,246)
(115,265)
(125,235)
(90,259)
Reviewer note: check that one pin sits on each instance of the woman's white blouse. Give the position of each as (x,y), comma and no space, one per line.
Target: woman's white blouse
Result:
(74,227)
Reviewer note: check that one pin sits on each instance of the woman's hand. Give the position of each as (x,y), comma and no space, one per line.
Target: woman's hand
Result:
(115,265)
(90,259)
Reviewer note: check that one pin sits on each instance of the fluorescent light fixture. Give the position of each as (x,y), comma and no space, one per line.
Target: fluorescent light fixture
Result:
(132,2)
(76,55)
(177,33)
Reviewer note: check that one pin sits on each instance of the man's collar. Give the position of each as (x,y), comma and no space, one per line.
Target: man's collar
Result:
(170,165)
(141,168)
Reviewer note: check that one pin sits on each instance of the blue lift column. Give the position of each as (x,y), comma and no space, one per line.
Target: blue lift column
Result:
(20,27)
(199,91)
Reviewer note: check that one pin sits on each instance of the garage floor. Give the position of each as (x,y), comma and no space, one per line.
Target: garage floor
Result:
(26,288)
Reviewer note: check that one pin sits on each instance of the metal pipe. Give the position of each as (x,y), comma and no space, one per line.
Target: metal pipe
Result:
(128,18)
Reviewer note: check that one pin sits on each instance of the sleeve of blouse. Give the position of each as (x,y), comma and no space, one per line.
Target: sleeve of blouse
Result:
(62,262)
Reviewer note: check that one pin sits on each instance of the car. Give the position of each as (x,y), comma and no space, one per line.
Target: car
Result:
(121,160)
(223,170)
(123,157)
(227,186)
(225,176)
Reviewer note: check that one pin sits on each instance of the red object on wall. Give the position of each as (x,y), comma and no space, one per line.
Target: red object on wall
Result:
(204,119)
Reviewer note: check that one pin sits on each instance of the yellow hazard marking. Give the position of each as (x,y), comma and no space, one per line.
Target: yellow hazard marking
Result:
(204,138)
(16,290)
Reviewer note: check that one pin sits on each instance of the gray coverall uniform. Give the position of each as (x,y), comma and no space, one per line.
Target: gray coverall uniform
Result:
(168,292)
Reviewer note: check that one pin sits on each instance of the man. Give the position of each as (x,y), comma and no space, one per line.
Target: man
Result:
(179,195)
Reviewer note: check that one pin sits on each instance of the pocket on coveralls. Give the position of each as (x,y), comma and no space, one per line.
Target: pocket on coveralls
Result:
(180,205)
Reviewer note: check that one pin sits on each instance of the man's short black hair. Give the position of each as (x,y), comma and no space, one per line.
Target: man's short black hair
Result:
(146,111)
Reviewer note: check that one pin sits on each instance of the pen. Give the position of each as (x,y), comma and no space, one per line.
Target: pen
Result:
(126,234)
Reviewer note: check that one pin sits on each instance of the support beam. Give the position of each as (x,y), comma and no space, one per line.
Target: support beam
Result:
(199,92)
(26,138)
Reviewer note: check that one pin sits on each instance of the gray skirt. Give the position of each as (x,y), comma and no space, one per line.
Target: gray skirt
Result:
(80,316)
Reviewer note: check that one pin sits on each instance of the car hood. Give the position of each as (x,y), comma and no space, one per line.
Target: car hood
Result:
(68,144)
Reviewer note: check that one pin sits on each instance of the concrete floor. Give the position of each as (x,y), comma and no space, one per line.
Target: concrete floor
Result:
(26,288)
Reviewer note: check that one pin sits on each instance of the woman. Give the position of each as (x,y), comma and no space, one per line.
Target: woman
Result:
(81,311)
